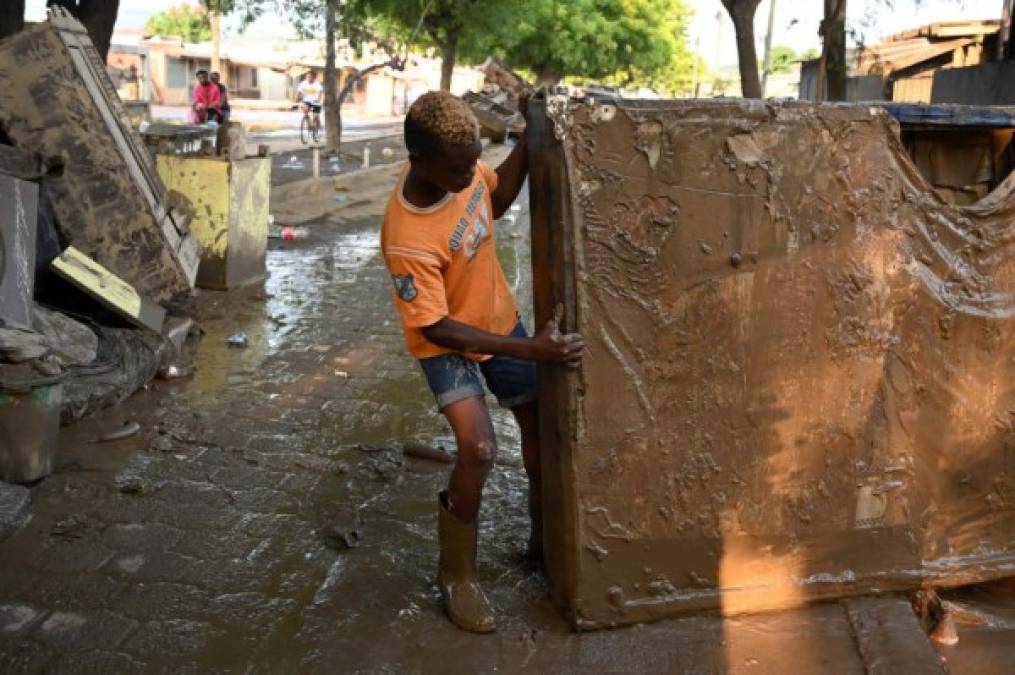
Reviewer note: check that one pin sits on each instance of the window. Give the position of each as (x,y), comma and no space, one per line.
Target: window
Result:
(177,73)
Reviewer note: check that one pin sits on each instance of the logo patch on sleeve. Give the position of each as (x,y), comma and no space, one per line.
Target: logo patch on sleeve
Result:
(405,286)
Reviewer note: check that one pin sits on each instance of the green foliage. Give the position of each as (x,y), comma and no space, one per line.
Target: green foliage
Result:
(187,22)
(810,54)
(625,42)
(781,59)
(471,24)
(630,42)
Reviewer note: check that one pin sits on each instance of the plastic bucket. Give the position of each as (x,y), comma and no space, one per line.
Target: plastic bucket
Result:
(29,425)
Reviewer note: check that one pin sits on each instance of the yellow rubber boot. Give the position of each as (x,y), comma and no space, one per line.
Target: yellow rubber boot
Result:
(464,600)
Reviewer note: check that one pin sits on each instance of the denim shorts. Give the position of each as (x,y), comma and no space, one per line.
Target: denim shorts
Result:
(452,377)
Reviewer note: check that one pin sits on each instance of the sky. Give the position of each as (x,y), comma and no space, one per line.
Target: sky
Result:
(796,21)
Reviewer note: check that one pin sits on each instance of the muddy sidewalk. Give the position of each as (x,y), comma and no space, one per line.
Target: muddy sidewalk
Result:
(265,519)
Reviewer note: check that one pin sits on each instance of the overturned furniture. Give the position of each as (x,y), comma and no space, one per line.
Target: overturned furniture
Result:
(56,98)
(797,383)
(496,121)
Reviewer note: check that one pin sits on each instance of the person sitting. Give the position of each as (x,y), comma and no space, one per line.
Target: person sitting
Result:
(207,100)
(224,92)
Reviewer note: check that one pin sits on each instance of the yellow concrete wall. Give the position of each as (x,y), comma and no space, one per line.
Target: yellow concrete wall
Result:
(203,182)
(229,206)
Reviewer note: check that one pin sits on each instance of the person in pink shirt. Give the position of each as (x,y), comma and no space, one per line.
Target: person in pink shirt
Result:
(207,100)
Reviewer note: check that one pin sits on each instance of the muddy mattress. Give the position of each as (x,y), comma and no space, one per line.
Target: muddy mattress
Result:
(798,380)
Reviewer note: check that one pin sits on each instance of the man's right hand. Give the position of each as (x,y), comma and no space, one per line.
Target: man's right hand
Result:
(549,345)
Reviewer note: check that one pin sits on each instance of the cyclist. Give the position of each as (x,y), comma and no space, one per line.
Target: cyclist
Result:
(310,92)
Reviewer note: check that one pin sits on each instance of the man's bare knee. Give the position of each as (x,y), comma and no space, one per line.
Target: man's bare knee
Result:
(480,454)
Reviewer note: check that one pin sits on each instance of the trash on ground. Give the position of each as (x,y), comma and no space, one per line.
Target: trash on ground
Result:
(170,373)
(238,340)
(126,431)
(294,233)
(429,452)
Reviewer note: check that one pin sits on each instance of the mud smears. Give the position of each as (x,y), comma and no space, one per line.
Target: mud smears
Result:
(799,359)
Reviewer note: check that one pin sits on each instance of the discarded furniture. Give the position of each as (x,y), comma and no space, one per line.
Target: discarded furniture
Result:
(963,151)
(18,213)
(229,203)
(504,78)
(57,99)
(797,380)
(113,292)
(496,121)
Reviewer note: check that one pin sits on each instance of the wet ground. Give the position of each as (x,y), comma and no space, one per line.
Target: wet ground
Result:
(265,520)
(297,164)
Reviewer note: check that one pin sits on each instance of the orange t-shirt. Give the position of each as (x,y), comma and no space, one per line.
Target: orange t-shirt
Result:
(443,263)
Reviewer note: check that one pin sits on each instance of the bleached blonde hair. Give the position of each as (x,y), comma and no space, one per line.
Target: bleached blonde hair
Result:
(436,120)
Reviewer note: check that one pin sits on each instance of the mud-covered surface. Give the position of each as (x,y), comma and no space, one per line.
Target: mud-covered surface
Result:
(263,519)
(799,360)
(105,193)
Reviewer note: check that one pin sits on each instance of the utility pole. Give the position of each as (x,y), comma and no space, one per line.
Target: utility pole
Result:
(768,48)
(695,75)
(718,40)
(215,19)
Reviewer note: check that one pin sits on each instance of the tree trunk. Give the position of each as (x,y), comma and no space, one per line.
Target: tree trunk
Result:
(449,52)
(98,18)
(215,19)
(833,30)
(548,76)
(332,113)
(768,49)
(12,19)
(350,84)
(742,12)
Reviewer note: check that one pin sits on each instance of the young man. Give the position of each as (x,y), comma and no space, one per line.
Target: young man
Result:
(461,322)
(223,95)
(310,93)
(207,100)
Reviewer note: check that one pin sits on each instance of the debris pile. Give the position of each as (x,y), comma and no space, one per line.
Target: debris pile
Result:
(496,107)
(92,257)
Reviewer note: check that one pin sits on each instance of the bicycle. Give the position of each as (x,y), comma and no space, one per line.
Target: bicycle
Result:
(310,128)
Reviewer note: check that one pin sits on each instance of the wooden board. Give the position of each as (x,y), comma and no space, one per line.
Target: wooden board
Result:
(890,638)
(109,289)
(940,115)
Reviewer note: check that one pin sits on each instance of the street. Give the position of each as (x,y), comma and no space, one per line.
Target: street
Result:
(266,520)
(280,127)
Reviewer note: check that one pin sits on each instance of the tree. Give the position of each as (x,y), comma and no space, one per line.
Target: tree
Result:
(809,54)
(98,17)
(742,13)
(782,59)
(12,19)
(187,22)
(833,52)
(452,26)
(619,41)
(350,19)
(332,111)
